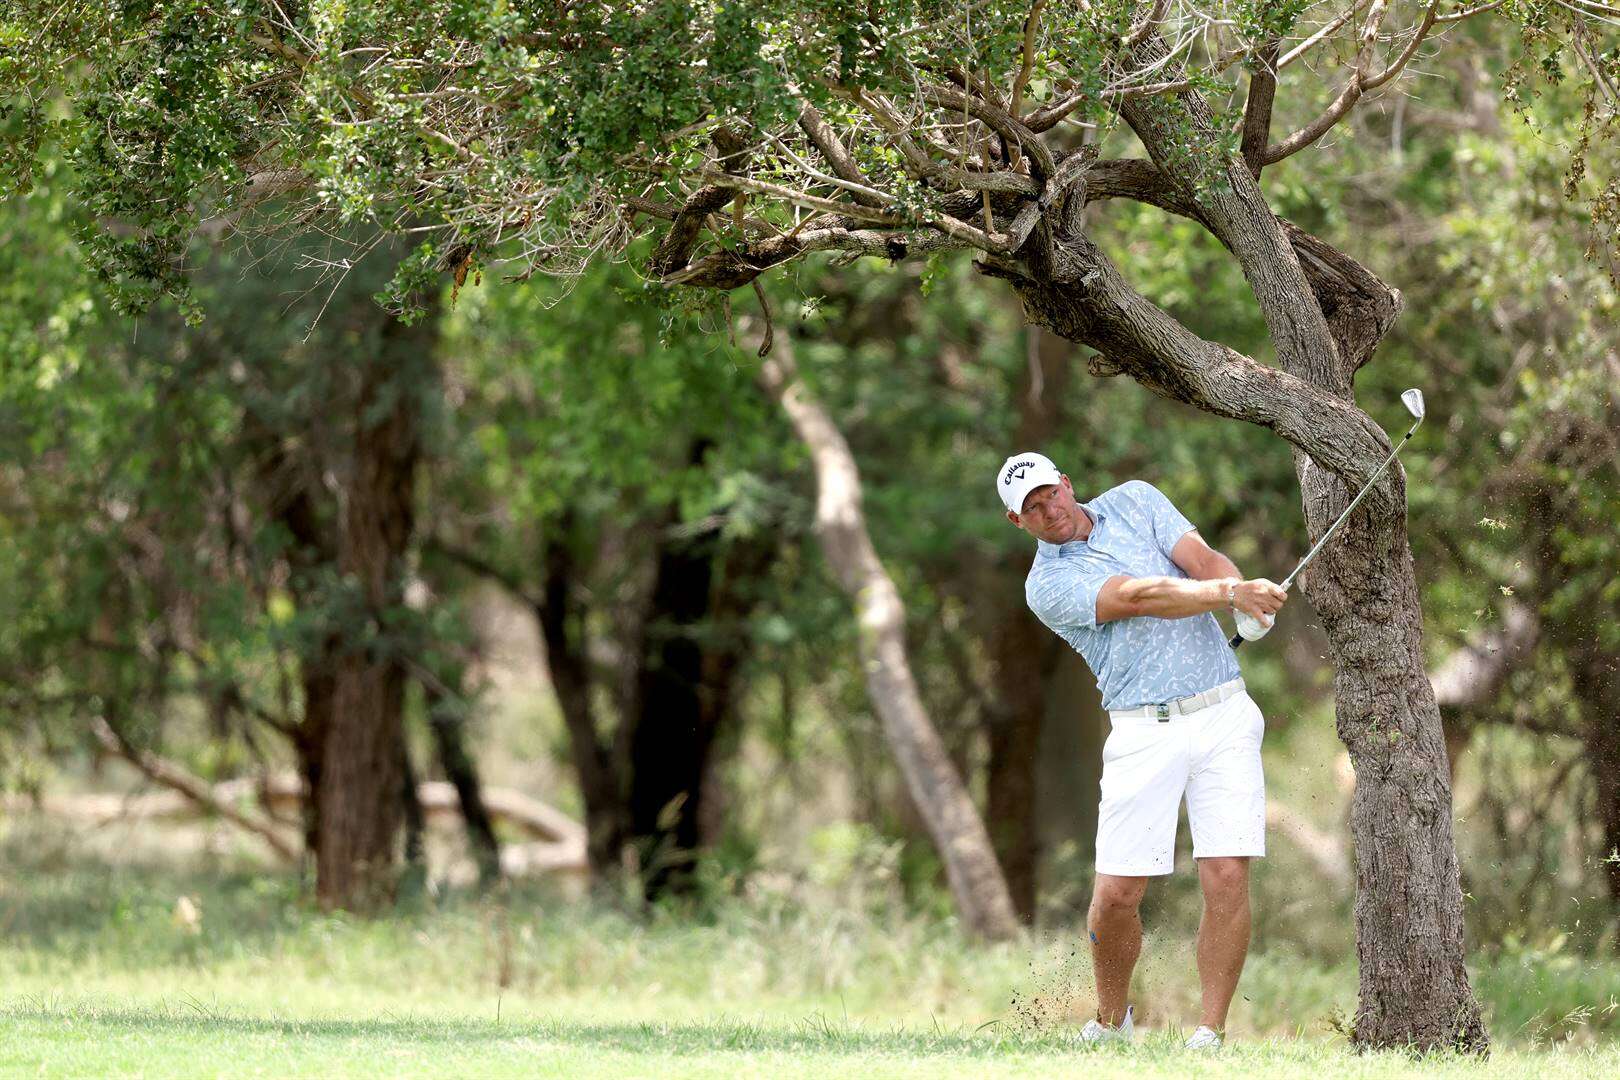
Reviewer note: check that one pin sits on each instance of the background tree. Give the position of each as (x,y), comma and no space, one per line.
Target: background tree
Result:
(529,138)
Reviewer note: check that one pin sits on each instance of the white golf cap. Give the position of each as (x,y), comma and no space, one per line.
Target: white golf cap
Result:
(1022,474)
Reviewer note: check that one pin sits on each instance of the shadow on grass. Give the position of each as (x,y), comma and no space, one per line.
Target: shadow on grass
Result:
(816,1034)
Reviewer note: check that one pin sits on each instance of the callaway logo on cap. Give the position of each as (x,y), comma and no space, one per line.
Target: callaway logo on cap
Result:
(1021,474)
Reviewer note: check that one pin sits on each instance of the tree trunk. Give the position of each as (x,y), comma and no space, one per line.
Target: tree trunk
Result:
(1014,742)
(936,787)
(1409,927)
(309,741)
(561,617)
(1018,647)
(313,547)
(1409,922)
(1069,783)
(668,750)
(361,775)
(1324,325)
(411,807)
(447,719)
(1596,676)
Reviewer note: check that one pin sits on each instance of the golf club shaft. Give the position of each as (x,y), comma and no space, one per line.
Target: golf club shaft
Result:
(1237,639)
(1362,494)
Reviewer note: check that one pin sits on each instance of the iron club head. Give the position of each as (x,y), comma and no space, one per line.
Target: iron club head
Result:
(1413,400)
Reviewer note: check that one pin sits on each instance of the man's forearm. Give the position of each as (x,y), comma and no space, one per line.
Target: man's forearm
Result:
(1175,598)
(1217,567)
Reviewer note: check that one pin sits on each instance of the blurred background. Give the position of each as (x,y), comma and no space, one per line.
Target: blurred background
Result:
(642,761)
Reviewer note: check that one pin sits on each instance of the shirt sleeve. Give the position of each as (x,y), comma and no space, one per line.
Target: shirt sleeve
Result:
(1169,524)
(1065,598)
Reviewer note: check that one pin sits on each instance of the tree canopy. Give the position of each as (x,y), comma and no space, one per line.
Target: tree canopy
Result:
(531,136)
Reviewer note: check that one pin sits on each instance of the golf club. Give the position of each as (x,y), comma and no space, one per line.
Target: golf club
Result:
(1252,629)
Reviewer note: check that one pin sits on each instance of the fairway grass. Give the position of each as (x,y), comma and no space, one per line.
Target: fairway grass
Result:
(186,1037)
(105,972)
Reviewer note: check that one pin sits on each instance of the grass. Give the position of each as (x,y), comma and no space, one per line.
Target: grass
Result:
(99,975)
(189,1037)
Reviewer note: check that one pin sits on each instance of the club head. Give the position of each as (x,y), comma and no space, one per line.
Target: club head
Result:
(1413,400)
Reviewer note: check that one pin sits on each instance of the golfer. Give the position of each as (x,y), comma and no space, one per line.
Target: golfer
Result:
(1127,581)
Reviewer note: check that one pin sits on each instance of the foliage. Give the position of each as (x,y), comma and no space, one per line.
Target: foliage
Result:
(517,134)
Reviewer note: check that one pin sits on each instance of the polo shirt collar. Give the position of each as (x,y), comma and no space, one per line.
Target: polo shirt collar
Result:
(1073,546)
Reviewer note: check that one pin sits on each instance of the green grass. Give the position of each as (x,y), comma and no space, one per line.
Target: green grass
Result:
(98,977)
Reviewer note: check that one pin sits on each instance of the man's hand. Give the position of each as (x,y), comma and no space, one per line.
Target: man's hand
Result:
(1258,598)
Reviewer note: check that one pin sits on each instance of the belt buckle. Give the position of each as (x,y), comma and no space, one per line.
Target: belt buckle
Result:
(1162,712)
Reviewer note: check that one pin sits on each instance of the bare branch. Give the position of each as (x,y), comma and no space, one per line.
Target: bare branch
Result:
(1458,16)
(1305,46)
(1373,82)
(732,269)
(1360,81)
(826,142)
(1032,25)
(1142,29)
(922,167)
(967,233)
(1040,155)
(194,788)
(676,247)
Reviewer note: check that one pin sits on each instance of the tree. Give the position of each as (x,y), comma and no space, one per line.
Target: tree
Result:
(959,834)
(616,476)
(762,132)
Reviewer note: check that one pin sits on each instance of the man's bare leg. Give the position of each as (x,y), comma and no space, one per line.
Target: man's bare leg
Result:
(1115,921)
(1223,934)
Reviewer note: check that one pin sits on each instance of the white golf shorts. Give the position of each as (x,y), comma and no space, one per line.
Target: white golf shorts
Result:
(1212,756)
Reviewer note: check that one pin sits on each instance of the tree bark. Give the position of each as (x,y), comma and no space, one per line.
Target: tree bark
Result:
(361,774)
(447,719)
(953,821)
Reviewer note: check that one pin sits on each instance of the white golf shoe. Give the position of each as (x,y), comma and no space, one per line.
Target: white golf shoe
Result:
(1096,1032)
(1204,1038)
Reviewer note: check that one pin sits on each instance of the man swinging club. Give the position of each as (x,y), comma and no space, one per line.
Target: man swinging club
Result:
(1127,581)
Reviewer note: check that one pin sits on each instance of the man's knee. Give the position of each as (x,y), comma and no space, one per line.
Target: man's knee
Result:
(1225,881)
(1114,896)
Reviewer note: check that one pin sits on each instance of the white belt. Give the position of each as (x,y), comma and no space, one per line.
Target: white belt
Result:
(1181,706)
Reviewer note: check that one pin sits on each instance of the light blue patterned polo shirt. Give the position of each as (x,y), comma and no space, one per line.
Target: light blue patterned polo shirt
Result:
(1139,661)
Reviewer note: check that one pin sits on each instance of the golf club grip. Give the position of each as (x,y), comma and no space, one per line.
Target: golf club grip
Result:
(1237,639)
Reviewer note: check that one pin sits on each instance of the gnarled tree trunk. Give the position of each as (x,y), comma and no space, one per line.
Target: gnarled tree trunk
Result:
(1325,315)
(936,787)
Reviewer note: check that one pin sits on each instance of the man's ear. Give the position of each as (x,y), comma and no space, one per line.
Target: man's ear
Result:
(1012,517)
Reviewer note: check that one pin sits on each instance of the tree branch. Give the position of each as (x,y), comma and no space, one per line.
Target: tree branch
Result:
(1257,113)
(1032,25)
(1360,82)
(1141,30)
(827,143)
(481,566)
(1013,131)
(194,788)
(1135,337)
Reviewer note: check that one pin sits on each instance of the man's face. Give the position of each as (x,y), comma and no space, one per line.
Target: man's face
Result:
(1050,513)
